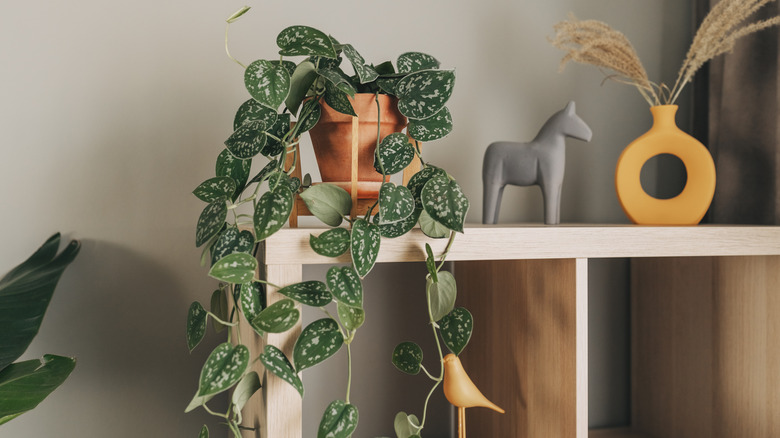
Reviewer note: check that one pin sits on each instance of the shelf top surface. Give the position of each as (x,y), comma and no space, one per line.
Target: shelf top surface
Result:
(506,242)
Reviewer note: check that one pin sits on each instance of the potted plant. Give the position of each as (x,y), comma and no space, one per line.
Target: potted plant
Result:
(241,212)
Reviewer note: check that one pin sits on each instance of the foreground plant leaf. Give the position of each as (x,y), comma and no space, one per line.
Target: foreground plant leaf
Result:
(364,244)
(418,180)
(196,325)
(456,329)
(331,243)
(219,307)
(278,317)
(301,81)
(251,300)
(433,128)
(253,110)
(219,188)
(267,82)
(407,357)
(272,211)
(338,100)
(328,202)
(210,222)
(397,229)
(237,169)
(24,385)
(235,268)
(339,420)
(445,202)
(406,426)
(441,295)
(352,318)
(424,93)
(232,241)
(317,342)
(396,153)
(431,228)
(415,61)
(311,293)
(365,73)
(224,368)
(396,203)
(305,41)
(248,140)
(345,285)
(246,387)
(204,432)
(277,363)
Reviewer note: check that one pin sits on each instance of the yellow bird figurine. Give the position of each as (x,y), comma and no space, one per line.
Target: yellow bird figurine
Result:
(461,391)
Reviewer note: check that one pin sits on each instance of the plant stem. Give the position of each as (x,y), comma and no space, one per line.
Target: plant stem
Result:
(227,48)
(349,370)
(446,251)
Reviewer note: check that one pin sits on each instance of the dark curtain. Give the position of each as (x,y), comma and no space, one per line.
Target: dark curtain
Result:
(736,116)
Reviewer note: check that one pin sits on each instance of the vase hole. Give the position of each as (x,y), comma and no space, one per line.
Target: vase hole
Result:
(663,176)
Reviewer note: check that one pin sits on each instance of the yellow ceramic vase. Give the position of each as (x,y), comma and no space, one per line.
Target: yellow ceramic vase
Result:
(687,208)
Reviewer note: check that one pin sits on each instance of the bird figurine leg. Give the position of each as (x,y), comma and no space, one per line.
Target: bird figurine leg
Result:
(461,422)
(461,391)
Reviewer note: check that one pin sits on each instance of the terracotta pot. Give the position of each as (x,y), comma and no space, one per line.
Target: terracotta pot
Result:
(664,137)
(332,141)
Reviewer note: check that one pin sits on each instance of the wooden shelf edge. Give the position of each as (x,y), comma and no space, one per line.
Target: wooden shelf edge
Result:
(621,432)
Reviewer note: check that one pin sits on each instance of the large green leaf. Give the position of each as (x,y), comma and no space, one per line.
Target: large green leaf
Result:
(419,179)
(331,243)
(345,285)
(364,244)
(24,385)
(351,317)
(236,168)
(338,100)
(397,229)
(445,202)
(312,293)
(415,61)
(210,222)
(279,129)
(339,420)
(196,325)
(252,110)
(456,329)
(310,115)
(272,211)
(235,268)
(248,140)
(432,128)
(224,368)
(219,188)
(424,93)
(396,203)
(246,387)
(232,241)
(277,363)
(338,79)
(407,357)
(395,152)
(25,293)
(328,202)
(317,342)
(267,82)
(302,79)
(365,73)
(278,317)
(441,295)
(305,41)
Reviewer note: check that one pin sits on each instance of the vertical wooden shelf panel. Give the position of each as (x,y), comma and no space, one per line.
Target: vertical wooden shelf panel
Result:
(525,353)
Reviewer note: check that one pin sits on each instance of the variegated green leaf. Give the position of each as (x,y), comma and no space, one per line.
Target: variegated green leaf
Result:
(456,329)
(224,368)
(328,202)
(252,110)
(407,357)
(251,299)
(352,318)
(210,222)
(430,264)
(220,188)
(419,179)
(441,294)
(248,140)
(406,426)
(338,100)
(267,82)
(274,147)
(278,317)
(396,203)
(339,420)
(232,241)
(305,41)
(310,114)
(320,62)
(431,228)
(196,325)
(415,61)
(364,244)
(272,211)
(219,307)
(345,285)
(445,202)
(396,153)
(197,402)
(388,85)
(338,79)
(302,79)
(317,342)
(397,229)
(246,387)
(278,179)
(288,65)
(294,183)
(230,166)
(234,268)
(311,293)
(365,73)
(204,432)
(277,363)
(331,243)
(433,128)
(265,172)
(424,93)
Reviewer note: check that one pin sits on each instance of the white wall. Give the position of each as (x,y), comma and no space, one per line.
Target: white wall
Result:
(111,114)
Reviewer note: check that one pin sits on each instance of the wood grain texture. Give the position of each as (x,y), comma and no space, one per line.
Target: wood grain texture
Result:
(615,433)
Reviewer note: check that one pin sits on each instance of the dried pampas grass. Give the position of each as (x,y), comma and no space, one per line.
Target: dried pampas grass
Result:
(596,43)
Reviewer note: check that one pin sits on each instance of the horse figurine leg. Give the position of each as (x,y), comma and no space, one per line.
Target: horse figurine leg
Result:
(552,203)
(491,201)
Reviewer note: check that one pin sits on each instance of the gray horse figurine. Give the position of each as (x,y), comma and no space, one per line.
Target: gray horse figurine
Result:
(540,162)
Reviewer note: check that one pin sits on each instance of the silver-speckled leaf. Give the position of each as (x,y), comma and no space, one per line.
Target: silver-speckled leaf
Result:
(407,357)
(441,294)
(277,363)
(288,65)
(431,228)
(210,222)
(265,172)
(267,82)
(278,317)
(396,203)
(305,41)
(232,241)
(456,329)
(301,80)
(223,368)
(219,188)
(338,100)
(339,420)
(415,61)
(312,293)
(364,244)
(247,386)
(345,285)
(424,93)
(272,211)
(317,342)
(234,268)
(328,202)
(230,166)
(419,179)
(352,318)
(310,115)
(365,73)
(338,79)
(331,243)
(388,84)
(445,202)
(396,153)
(251,299)
(219,307)
(400,228)
(204,432)
(196,325)
(252,110)
(274,147)
(433,128)
(248,140)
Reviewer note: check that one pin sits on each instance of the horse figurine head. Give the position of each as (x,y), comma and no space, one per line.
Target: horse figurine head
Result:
(567,123)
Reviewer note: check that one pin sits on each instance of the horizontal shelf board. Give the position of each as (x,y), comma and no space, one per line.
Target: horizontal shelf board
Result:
(501,242)
(614,433)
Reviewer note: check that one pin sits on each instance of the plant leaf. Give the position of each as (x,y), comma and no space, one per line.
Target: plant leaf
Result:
(331,243)
(219,307)
(248,140)
(328,202)
(445,202)
(352,318)
(305,41)
(424,93)
(23,385)
(397,229)
(224,368)
(396,203)
(430,263)
(311,115)
(278,317)
(277,363)
(210,222)
(456,329)
(318,341)
(311,293)
(232,241)
(441,294)
(267,82)
(253,110)
(272,211)
(279,129)
(431,228)
(251,299)
(406,426)
(345,285)
(407,357)
(339,420)
(396,153)
(433,128)
(247,386)
(301,80)
(231,19)
(220,188)
(197,402)
(388,84)
(338,79)
(230,166)
(365,73)
(415,61)
(234,268)
(364,244)
(204,432)
(264,172)
(338,100)
(196,325)
(418,180)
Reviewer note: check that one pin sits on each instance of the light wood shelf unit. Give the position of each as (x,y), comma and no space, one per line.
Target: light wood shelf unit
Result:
(697,292)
